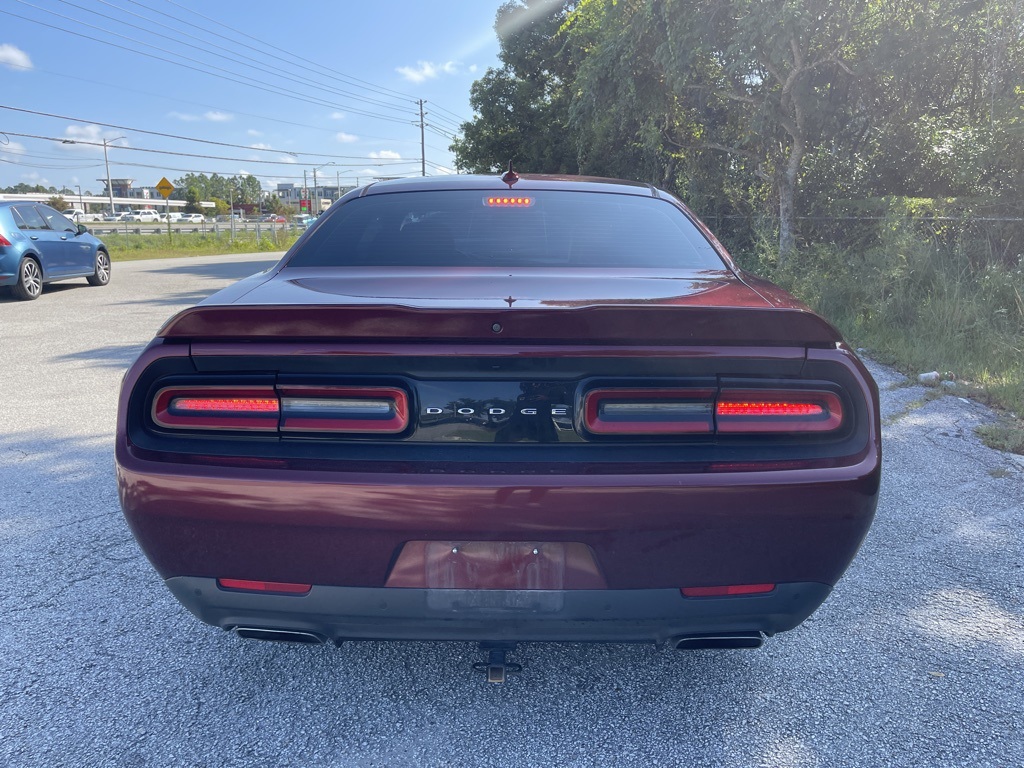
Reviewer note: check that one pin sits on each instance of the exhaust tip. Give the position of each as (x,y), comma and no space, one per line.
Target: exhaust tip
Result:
(279,635)
(724,641)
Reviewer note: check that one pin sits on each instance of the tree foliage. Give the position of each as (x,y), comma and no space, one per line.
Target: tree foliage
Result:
(767,110)
(240,189)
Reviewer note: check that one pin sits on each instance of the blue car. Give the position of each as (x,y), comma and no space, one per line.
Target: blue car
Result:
(40,245)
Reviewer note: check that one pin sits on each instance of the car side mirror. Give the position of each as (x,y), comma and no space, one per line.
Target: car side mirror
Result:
(82,229)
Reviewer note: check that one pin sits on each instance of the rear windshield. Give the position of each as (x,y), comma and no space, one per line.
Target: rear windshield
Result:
(479,228)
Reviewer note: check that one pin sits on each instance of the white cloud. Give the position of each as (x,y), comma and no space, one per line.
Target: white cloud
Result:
(385,154)
(427,70)
(13,147)
(345,138)
(14,58)
(253,132)
(212,116)
(337,116)
(260,145)
(90,135)
(287,159)
(473,68)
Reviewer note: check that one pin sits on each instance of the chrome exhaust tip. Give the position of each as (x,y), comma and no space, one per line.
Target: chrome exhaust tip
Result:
(721,641)
(279,635)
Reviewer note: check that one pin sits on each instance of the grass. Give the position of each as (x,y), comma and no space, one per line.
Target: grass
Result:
(921,305)
(132,247)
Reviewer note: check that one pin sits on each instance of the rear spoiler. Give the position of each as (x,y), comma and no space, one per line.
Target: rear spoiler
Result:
(585,325)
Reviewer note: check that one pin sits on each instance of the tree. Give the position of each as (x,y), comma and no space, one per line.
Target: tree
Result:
(192,200)
(522,109)
(275,205)
(58,202)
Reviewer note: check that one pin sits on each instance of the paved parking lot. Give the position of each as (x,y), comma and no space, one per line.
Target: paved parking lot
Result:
(916,660)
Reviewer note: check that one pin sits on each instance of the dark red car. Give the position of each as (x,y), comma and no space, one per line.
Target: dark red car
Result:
(542,408)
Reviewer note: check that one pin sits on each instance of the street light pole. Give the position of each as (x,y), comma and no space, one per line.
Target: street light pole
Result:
(314,184)
(106,163)
(80,205)
(110,186)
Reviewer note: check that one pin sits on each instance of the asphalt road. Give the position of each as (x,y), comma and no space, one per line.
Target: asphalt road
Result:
(917,659)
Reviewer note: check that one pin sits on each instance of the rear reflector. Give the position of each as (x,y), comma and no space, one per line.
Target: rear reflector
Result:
(648,411)
(242,408)
(727,591)
(267,587)
(764,410)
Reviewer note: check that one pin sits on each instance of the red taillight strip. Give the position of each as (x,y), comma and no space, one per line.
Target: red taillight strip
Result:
(731,590)
(774,410)
(361,410)
(226,405)
(652,411)
(265,587)
(252,408)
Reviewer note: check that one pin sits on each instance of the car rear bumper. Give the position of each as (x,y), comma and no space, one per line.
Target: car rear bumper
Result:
(354,613)
(644,531)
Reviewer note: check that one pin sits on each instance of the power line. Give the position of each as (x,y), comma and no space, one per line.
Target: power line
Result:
(352,80)
(255,63)
(363,162)
(127,89)
(175,136)
(457,117)
(262,88)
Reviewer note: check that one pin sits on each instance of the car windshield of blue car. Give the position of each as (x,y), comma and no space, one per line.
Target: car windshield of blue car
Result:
(480,228)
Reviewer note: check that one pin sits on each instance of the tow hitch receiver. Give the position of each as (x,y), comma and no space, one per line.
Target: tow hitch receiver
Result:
(497,667)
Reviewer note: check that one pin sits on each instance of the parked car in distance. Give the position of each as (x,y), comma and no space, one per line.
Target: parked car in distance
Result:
(144,215)
(273,218)
(502,410)
(79,216)
(39,245)
(191,218)
(302,221)
(117,216)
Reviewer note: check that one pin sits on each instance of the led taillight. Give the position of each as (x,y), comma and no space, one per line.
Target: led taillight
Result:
(648,411)
(4,242)
(765,410)
(254,408)
(265,587)
(231,405)
(381,410)
(730,590)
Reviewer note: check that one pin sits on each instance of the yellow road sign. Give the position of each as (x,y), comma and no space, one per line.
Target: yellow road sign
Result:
(165,187)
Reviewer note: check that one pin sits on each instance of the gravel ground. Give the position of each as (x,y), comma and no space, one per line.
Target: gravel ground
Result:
(916,659)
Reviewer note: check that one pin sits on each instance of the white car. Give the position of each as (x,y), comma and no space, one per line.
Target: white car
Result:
(78,216)
(190,218)
(144,215)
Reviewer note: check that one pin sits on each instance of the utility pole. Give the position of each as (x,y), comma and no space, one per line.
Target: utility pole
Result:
(305,193)
(423,144)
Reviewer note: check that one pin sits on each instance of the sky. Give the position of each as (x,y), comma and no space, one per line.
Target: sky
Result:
(283,88)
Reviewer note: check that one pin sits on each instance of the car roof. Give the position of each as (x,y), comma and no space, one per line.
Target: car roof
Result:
(532,182)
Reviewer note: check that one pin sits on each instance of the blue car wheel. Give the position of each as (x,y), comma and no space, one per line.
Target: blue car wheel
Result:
(30,280)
